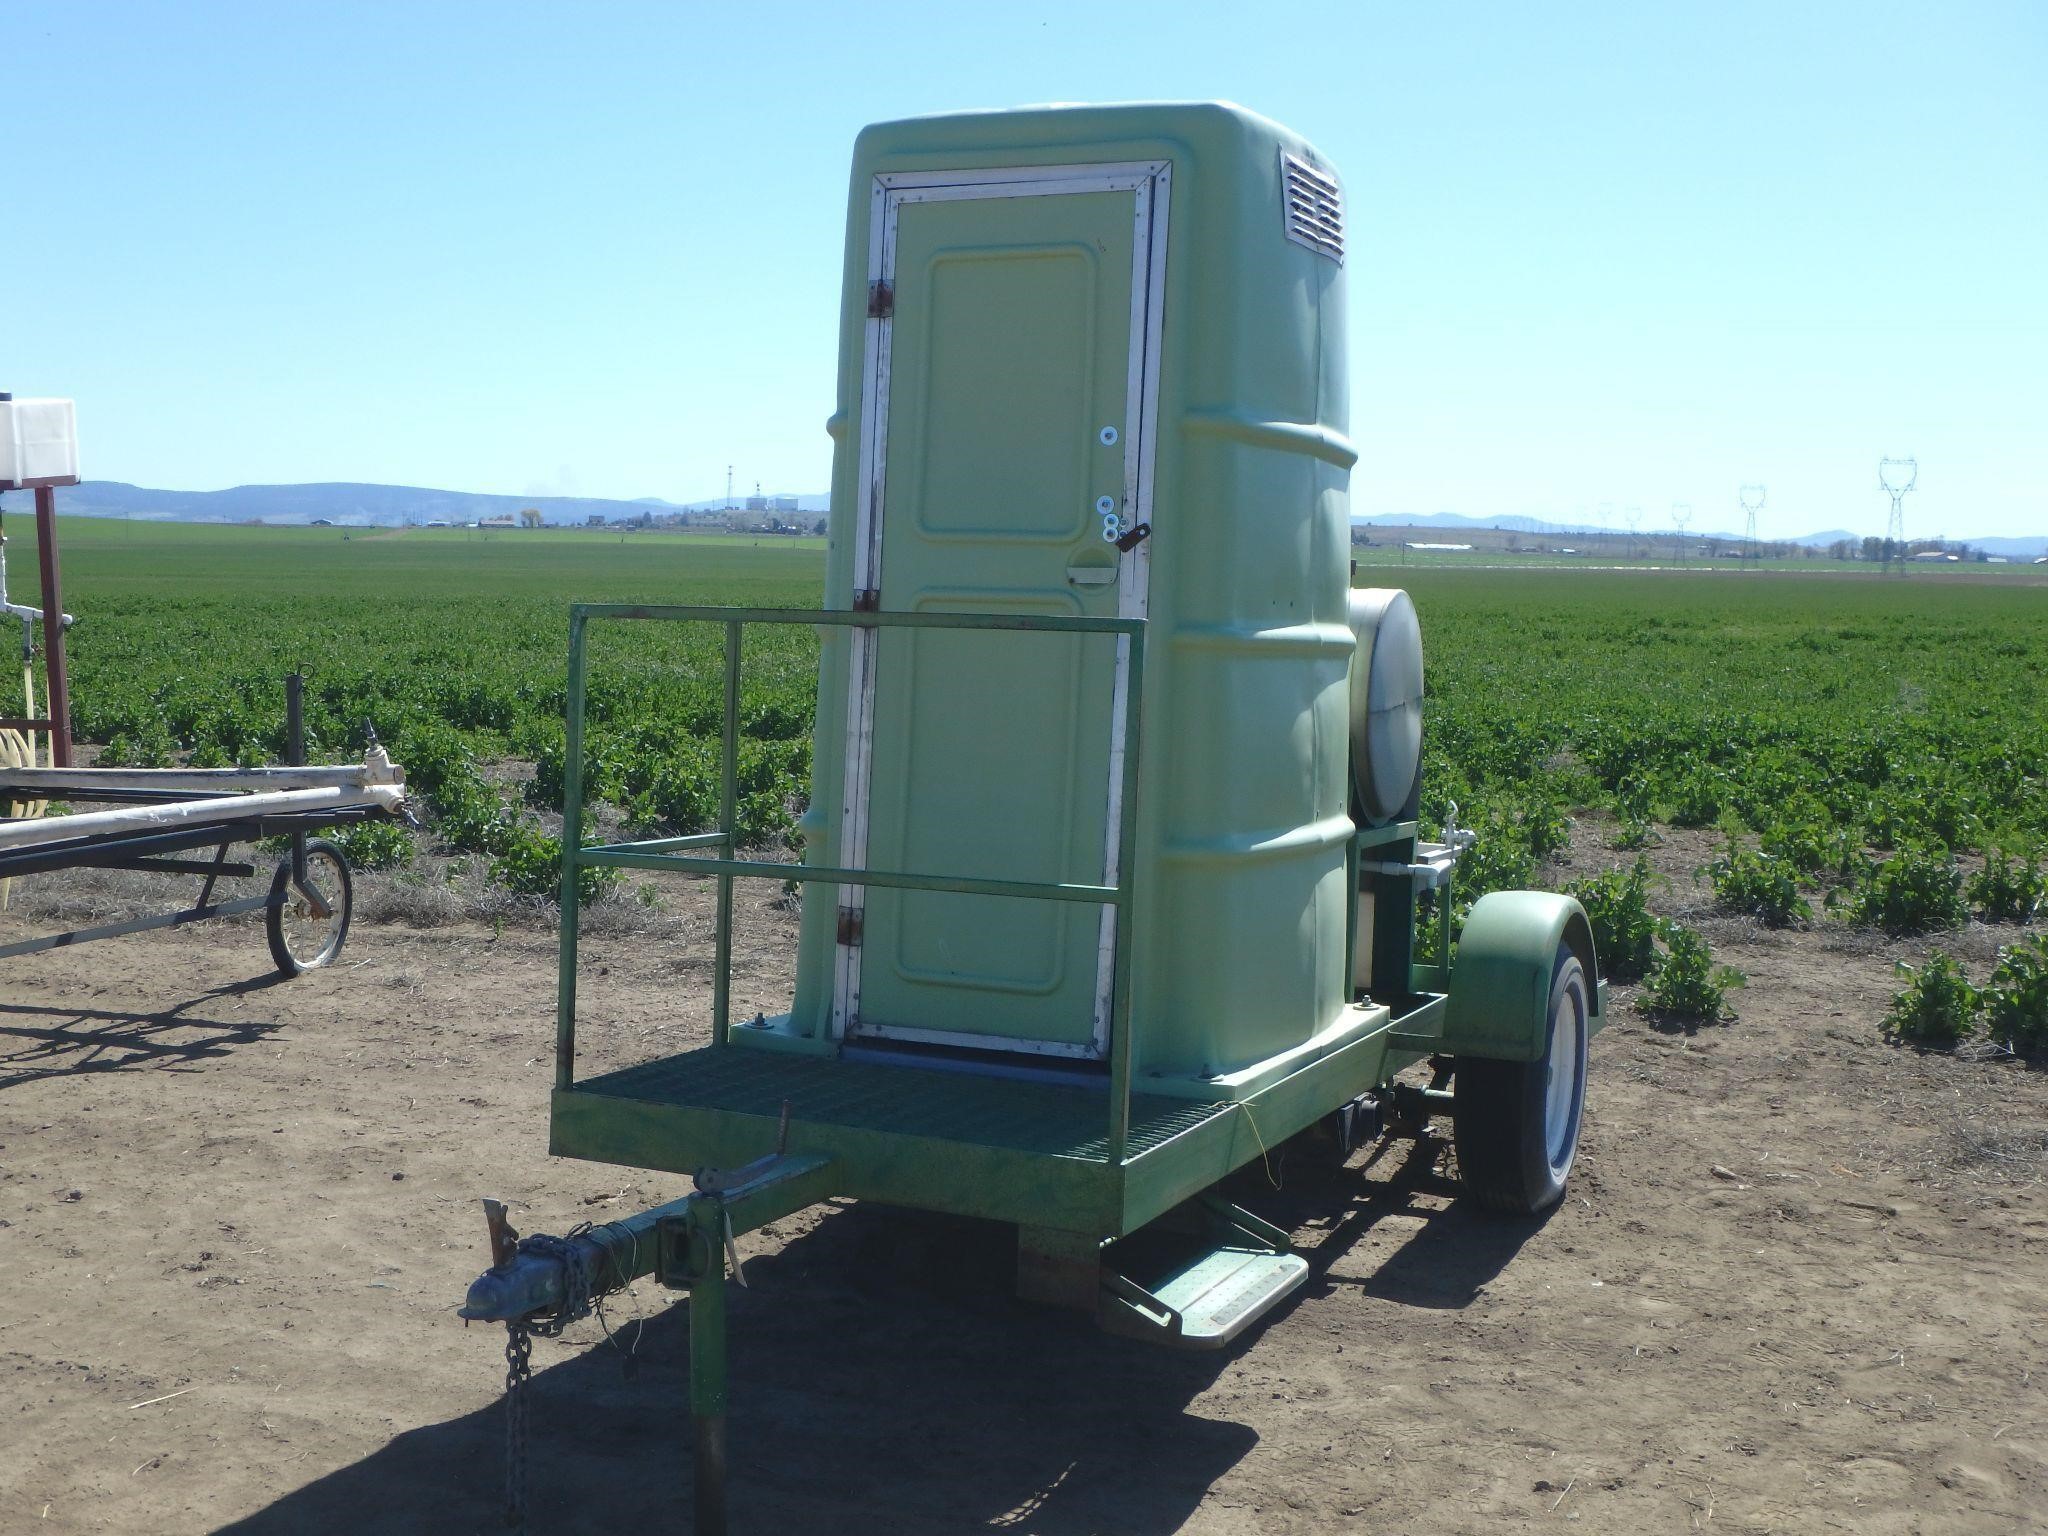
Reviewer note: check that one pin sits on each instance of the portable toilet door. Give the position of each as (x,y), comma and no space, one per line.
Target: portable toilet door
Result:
(1007,402)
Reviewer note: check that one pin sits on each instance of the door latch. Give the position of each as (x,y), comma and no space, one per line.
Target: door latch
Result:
(1136,536)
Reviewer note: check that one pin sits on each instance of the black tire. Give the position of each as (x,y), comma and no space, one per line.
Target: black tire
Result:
(300,942)
(1515,1147)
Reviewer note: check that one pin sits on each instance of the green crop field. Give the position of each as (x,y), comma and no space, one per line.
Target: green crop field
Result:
(1850,734)
(452,644)
(1837,726)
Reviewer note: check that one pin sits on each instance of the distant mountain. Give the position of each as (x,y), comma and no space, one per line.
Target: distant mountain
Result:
(1455,520)
(819,502)
(2026,547)
(2014,549)
(1519,525)
(2030,547)
(396,505)
(344,502)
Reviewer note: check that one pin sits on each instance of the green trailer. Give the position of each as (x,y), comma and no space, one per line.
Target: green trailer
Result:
(1113,872)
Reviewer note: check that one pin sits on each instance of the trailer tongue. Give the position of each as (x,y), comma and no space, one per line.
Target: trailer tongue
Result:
(542,1284)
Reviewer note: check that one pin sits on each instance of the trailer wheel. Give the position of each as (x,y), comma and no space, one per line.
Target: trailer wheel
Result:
(300,939)
(1516,1123)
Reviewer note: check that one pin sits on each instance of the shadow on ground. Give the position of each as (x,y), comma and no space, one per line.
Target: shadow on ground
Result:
(882,1380)
(1453,1255)
(40,1042)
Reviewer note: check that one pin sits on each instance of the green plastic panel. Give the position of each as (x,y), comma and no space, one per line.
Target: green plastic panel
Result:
(1010,350)
(1499,1004)
(1238,931)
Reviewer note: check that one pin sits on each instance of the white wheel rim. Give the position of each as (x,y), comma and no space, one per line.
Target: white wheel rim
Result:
(1561,1091)
(309,939)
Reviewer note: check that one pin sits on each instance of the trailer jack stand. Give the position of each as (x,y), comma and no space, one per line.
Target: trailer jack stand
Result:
(692,1250)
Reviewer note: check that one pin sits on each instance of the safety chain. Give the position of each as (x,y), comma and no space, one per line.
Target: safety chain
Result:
(518,1371)
(575,1280)
(519,1333)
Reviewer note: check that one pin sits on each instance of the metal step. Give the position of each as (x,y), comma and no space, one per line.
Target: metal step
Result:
(1213,1293)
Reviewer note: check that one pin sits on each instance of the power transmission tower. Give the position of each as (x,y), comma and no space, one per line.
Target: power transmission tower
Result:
(728,487)
(1752,499)
(1896,477)
(1633,516)
(1681,514)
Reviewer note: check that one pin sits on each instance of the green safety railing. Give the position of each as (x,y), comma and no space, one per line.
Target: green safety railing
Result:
(673,854)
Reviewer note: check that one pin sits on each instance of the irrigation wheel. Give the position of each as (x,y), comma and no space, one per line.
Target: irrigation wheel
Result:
(1517,1123)
(300,939)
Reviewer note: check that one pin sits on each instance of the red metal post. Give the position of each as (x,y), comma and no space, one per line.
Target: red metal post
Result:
(56,684)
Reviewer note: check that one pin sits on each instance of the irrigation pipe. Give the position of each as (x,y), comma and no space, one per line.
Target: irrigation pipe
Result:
(196,813)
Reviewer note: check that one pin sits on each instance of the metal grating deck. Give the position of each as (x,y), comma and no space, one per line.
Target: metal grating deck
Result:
(1049,1119)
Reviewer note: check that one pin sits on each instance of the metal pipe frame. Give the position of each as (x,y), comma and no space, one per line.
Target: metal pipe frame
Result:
(198,914)
(295,757)
(217,866)
(96,783)
(115,850)
(664,853)
(129,851)
(56,677)
(91,794)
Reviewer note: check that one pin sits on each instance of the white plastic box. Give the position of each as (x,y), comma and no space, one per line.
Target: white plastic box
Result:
(38,441)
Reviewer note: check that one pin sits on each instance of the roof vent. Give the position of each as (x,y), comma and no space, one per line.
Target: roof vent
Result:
(1314,208)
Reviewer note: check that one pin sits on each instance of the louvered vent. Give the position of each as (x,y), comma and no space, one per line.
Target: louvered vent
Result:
(1315,208)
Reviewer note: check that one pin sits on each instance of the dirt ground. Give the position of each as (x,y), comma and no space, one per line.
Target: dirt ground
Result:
(1800,1282)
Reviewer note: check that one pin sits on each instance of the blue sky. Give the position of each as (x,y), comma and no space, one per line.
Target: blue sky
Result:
(1610,255)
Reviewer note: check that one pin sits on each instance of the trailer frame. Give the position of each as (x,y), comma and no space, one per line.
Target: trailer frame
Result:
(1077,1158)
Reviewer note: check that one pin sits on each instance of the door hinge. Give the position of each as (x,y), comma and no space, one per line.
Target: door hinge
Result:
(881,299)
(868,600)
(850,926)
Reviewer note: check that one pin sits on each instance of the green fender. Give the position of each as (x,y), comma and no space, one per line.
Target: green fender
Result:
(1499,1006)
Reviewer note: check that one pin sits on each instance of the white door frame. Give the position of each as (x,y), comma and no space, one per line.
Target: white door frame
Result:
(1150,183)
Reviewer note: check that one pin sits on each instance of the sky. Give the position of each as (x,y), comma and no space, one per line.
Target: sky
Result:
(1602,256)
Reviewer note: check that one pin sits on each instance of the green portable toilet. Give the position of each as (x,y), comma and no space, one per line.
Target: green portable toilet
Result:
(1091,419)
(1091,363)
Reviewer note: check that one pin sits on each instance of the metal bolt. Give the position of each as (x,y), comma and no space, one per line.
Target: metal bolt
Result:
(1108,436)
(1105,505)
